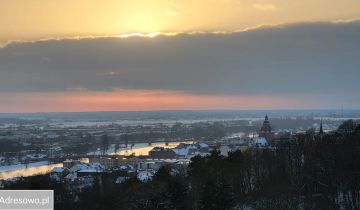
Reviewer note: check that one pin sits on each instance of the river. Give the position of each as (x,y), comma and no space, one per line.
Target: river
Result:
(31,170)
(138,148)
(20,170)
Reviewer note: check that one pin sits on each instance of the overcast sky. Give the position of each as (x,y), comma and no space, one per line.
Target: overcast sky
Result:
(310,64)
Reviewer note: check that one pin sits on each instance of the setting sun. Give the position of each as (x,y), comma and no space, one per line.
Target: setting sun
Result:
(143,23)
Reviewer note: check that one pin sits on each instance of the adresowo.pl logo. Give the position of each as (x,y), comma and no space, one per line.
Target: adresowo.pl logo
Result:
(27,199)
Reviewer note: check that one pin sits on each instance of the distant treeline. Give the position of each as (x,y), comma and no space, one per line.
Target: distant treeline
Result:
(310,171)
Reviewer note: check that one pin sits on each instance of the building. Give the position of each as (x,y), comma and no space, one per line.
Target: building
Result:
(259,142)
(224,150)
(149,165)
(145,176)
(124,170)
(162,153)
(75,183)
(58,174)
(70,163)
(90,169)
(265,131)
(114,160)
(54,152)
(190,150)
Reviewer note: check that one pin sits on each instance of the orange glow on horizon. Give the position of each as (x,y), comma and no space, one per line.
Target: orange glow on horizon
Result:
(136,100)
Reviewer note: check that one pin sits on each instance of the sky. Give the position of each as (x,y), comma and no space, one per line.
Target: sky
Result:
(92,55)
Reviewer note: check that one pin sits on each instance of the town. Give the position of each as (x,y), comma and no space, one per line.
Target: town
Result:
(75,155)
(230,159)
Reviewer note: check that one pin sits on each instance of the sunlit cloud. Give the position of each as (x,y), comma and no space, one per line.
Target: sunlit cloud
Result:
(193,32)
(149,35)
(265,7)
(57,18)
(171,13)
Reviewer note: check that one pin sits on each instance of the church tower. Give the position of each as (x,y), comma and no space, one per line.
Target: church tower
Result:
(266,127)
(265,130)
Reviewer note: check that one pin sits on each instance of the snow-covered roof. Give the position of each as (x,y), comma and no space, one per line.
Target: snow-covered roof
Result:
(55,177)
(58,170)
(90,170)
(78,167)
(71,176)
(145,176)
(56,148)
(121,179)
(259,141)
(92,167)
(35,156)
(184,150)
(96,165)
(126,167)
(202,145)
(158,149)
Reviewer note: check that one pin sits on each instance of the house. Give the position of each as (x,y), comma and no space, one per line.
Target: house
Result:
(70,163)
(224,150)
(115,160)
(54,152)
(182,150)
(36,156)
(146,165)
(145,176)
(124,170)
(88,168)
(161,153)
(58,174)
(259,142)
(51,135)
(82,175)
(75,183)
(121,179)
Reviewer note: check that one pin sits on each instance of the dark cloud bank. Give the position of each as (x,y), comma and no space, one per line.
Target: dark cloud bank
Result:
(300,59)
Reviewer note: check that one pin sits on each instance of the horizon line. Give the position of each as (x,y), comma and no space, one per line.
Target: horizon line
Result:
(188,110)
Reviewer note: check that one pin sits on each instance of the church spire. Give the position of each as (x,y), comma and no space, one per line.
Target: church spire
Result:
(266,118)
